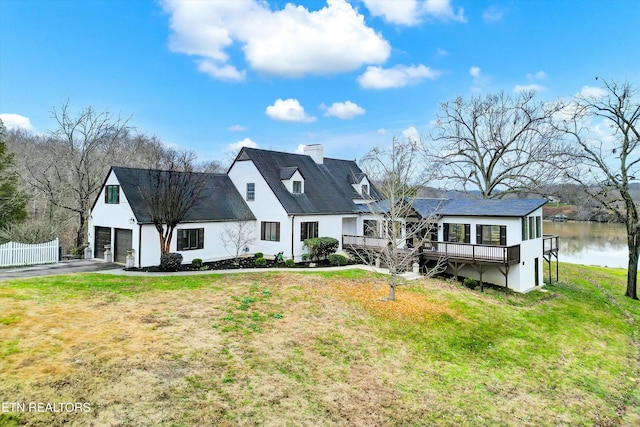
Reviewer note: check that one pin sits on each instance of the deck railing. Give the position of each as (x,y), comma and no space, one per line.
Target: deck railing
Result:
(468,251)
(550,243)
(436,250)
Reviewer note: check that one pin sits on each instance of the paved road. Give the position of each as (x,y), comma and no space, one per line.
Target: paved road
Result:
(64,267)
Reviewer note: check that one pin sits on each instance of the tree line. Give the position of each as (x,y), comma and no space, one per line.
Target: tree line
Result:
(491,146)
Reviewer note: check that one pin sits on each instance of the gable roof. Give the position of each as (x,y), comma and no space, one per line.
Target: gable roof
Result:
(288,172)
(220,199)
(477,207)
(327,186)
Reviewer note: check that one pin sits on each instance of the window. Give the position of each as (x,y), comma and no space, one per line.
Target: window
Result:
(532,230)
(308,230)
(190,239)
(538,226)
(525,229)
(365,190)
(251,191)
(371,228)
(112,194)
(491,235)
(457,233)
(270,231)
(297,187)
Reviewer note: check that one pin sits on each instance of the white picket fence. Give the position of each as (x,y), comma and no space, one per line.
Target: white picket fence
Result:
(13,253)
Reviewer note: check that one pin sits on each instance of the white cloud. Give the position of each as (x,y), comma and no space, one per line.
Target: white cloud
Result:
(479,79)
(411,12)
(237,128)
(221,71)
(16,121)
(236,146)
(398,76)
(411,133)
(343,110)
(492,15)
(400,12)
(527,88)
(288,110)
(442,9)
(300,149)
(381,131)
(289,42)
(590,92)
(442,52)
(540,75)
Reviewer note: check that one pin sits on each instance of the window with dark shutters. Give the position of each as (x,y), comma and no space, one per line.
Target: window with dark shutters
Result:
(457,233)
(270,231)
(112,194)
(491,235)
(308,230)
(190,239)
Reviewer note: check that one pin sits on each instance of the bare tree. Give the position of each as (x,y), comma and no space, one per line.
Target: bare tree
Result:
(74,160)
(497,144)
(170,192)
(237,236)
(397,232)
(605,165)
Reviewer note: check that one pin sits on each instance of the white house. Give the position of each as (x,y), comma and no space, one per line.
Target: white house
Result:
(494,241)
(120,218)
(298,196)
(291,197)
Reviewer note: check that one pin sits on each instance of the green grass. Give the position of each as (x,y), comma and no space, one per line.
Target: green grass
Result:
(316,349)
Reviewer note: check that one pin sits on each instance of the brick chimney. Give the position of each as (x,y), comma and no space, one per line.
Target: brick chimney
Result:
(316,151)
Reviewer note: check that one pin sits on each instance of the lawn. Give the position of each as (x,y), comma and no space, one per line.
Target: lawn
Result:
(295,349)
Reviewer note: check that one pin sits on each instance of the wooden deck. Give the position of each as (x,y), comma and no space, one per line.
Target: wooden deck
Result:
(453,252)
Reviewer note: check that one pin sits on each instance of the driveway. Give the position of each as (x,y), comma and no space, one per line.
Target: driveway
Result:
(63,267)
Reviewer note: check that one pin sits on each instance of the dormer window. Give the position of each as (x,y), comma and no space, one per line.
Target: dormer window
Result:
(292,179)
(365,189)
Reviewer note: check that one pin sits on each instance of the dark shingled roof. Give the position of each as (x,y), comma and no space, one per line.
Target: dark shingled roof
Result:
(477,207)
(220,200)
(327,187)
(287,173)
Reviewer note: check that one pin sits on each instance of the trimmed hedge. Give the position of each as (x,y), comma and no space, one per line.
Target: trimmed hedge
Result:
(321,247)
(196,263)
(337,259)
(171,261)
(261,262)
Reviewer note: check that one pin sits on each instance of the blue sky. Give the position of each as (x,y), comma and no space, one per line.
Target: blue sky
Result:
(210,76)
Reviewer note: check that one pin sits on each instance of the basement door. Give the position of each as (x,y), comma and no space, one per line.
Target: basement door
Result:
(102,237)
(123,244)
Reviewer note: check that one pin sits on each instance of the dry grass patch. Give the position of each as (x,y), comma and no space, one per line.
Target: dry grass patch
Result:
(408,305)
(283,349)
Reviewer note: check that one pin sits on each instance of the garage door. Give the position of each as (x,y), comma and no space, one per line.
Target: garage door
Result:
(103,237)
(123,244)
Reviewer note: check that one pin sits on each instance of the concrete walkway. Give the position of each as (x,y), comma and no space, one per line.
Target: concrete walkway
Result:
(96,265)
(121,272)
(63,267)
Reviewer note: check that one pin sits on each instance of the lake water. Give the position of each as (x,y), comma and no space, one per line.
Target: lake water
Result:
(590,243)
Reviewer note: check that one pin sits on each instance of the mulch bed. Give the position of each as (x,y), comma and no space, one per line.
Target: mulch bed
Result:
(230,264)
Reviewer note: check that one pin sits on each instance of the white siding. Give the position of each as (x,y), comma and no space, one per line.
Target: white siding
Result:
(288,183)
(265,207)
(521,276)
(119,215)
(213,247)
